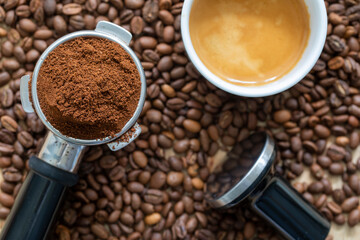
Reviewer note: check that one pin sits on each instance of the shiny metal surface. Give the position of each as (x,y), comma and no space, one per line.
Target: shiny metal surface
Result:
(24,94)
(66,152)
(103,30)
(60,153)
(125,139)
(250,180)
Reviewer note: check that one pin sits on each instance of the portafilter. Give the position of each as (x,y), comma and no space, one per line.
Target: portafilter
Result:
(55,167)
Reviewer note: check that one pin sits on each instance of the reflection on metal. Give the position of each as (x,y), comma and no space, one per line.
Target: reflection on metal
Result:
(60,153)
(113,33)
(66,152)
(245,167)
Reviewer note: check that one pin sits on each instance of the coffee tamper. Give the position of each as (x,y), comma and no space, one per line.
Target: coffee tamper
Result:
(246,176)
(55,167)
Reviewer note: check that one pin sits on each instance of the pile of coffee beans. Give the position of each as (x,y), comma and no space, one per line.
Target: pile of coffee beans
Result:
(154,188)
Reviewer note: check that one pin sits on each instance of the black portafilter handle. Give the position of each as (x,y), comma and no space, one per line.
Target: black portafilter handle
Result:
(37,203)
(284,208)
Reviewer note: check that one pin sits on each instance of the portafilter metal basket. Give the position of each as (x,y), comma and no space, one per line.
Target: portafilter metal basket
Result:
(56,165)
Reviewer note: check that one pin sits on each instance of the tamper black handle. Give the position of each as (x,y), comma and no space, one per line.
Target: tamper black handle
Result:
(289,212)
(37,203)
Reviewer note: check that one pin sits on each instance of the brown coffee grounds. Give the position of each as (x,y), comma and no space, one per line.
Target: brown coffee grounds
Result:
(88,88)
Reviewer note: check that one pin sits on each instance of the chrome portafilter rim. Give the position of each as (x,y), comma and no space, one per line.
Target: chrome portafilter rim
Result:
(35,100)
(55,167)
(250,180)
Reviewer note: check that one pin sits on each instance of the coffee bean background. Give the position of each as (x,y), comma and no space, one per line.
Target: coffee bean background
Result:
(153,189)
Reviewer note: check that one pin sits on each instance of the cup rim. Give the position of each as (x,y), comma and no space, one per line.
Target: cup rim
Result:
(267,89)
(35,100)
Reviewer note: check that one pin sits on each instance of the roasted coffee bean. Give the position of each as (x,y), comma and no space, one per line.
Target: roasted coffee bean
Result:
(4,78)
(134,4)
(7,136)
(6,149)
(127,218)
(336,168)
(324,161)
(89,21)
(153,196)
(354,217)
(12,175)
(175,163)
(32,56)
(336,153)
(5,162)
(175,104)
(25,139)
(77,22)
(339,219)
(249,230)
(9,123)
(152,219)
(6,200)
(349,204)
(140,159)
(148,42)
(108,162)
(137,24)
(7,49)
(99,230)
(11,64)
(338,195)
(40,45)
(335,43)
(282,116)
(158,179)
(27,25)
(4,212)
(322,131)
(59,25)
(354,182)
(327,186)
(317,171)
(49,7)
(19,54)
(135,187)
(150,11)
(334,208)
(71,9)
(316,187)
(174,178)
(192,126)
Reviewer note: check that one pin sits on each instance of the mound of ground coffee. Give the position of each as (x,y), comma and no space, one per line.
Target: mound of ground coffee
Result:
(88,88)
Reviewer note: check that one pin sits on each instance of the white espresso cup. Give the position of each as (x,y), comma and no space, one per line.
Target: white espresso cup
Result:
(312,51)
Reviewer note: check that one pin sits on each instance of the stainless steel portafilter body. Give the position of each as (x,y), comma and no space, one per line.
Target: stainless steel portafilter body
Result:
(72,147)
(106,30)
(56,165)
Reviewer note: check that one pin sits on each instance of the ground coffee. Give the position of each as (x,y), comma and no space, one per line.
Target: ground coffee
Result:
(88,88)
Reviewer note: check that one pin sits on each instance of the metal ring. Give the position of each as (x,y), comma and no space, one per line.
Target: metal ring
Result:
(252,178)
(36,103)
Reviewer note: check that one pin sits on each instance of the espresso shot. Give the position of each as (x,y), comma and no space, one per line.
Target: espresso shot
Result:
(254,48)
(248,42)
